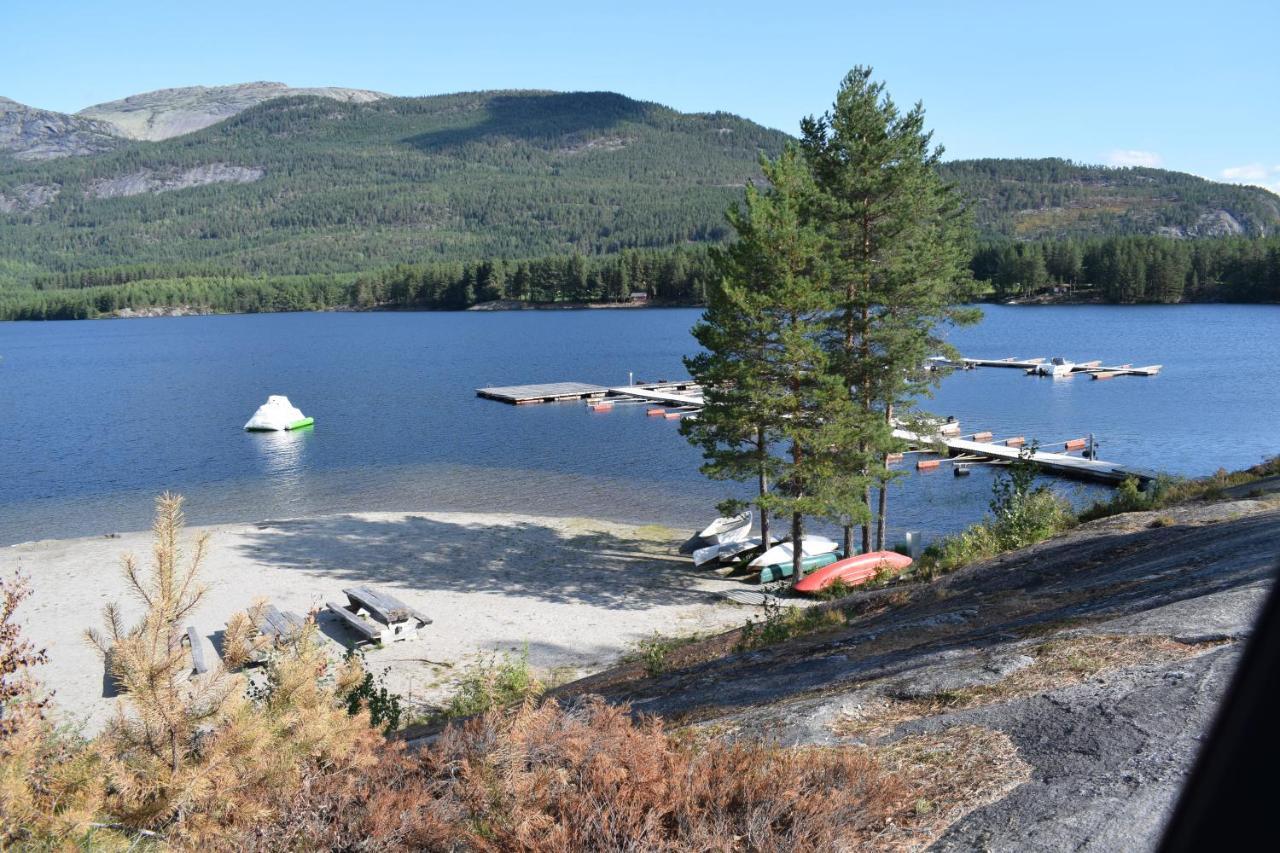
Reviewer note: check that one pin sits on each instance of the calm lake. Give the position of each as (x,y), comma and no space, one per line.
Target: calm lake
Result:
(96,418)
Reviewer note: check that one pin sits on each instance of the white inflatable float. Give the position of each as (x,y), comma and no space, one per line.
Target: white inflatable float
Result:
(278,414)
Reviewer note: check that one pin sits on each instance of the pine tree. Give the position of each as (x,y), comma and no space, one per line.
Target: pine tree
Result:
(769,395)
(898,243)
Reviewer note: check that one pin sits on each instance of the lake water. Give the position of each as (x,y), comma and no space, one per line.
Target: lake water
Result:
(96,418)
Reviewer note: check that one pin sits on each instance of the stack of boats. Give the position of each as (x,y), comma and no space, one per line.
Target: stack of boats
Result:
(728,541)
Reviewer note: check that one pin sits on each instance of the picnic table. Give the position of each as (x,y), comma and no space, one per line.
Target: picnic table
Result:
(377,616)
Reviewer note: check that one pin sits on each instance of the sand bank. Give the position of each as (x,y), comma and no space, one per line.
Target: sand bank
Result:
(577,593)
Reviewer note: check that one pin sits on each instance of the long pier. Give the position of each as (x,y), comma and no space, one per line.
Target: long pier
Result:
(684,399)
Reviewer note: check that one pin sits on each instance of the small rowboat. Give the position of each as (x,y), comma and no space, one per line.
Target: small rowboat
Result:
(722,531)
(777,571)
(810,547)
(854,570)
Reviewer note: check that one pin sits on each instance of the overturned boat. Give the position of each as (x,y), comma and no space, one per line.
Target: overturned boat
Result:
(277,414)
(722,531)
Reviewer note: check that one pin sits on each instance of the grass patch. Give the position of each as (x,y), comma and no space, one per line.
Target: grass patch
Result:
(779,623)
(946,775)
(497,681)
(1057,663)
(654,652)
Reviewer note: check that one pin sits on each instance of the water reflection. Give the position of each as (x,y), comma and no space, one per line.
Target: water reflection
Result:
(282,457)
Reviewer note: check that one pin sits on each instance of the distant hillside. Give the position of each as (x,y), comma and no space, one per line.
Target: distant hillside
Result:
(306,185)
(1053,198)
(173,112)
(345,181)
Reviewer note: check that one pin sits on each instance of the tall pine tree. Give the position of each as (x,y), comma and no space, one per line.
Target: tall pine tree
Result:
(898,245)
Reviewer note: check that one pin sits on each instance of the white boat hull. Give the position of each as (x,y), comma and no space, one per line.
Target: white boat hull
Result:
(812,546)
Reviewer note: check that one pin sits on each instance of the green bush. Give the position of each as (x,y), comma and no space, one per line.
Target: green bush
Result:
(494,682)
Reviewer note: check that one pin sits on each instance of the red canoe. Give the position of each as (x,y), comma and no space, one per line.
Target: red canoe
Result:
(853,570)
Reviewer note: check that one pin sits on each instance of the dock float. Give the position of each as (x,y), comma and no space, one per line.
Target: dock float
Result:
(675,400)
(556,392)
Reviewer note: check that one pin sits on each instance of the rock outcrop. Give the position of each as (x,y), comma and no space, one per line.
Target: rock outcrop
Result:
(1102,654)
(151,181)
(28,133)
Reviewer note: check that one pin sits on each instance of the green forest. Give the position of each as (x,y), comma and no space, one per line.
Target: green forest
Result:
(306,203)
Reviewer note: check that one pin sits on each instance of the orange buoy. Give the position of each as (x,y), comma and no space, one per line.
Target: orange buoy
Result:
(1016,441)
(1075,444)
(925,464)
(982,436)
(653,412)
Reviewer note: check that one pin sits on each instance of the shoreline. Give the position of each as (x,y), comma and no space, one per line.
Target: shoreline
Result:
(573,594)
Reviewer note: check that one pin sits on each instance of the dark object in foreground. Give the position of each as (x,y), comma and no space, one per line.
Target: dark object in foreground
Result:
(1227,801)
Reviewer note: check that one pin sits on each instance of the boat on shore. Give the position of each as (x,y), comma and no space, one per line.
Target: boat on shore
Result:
(722,531)
(854,570)
(778,571)
(277,414)
(810,546)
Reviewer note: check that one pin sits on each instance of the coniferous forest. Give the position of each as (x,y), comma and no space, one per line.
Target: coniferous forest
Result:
(442,202)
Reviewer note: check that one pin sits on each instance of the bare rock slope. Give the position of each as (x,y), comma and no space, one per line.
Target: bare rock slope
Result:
(172,112)
(28,133)
(1102,655)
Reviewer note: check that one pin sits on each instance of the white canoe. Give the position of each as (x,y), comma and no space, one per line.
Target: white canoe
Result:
(277,414)
(725,530)
(728,550)
(812,546)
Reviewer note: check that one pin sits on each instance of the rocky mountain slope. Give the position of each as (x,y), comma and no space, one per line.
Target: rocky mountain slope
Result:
(1101,655)
(27,133)
(173,112)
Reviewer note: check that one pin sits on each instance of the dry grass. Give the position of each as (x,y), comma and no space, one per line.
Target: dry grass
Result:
(947,774)
(1057,663)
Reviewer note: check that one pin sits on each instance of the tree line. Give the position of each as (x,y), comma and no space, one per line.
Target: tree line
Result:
(1129,270)
(678,276)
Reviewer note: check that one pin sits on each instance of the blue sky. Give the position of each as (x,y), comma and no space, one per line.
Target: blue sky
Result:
(1190,86)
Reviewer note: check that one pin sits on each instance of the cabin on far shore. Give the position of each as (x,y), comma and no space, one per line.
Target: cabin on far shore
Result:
(639,297)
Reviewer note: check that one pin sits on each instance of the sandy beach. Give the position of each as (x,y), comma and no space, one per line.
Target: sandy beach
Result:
(577,593)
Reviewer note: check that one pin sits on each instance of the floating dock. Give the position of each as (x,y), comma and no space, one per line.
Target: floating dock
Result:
(683,398)
(1094,368)
(555,392)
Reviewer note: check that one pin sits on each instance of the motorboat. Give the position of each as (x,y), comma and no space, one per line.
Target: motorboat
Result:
(1054,367)
(277,414)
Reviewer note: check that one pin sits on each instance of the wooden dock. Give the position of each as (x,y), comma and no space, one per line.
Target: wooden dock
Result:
(1058,463)
(555,392)
(684,399)
(1095,368)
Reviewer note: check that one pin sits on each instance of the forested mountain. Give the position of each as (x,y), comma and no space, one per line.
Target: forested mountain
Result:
(308,201)
(310,185)
(1053,198)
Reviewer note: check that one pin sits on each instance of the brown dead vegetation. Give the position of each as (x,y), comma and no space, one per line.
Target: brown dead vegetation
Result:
(549,778)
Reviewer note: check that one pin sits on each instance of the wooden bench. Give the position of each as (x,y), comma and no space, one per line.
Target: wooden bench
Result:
(367,633)
(195,643)
(279,626)
(390,618)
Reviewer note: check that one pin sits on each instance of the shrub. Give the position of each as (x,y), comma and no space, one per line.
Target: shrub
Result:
(779,623)
(371,695)
(498,681)
(591,778)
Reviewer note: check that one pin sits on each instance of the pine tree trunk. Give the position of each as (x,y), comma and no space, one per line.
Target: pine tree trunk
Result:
(848,540)
(764,489)
(883,509)
(797,552)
